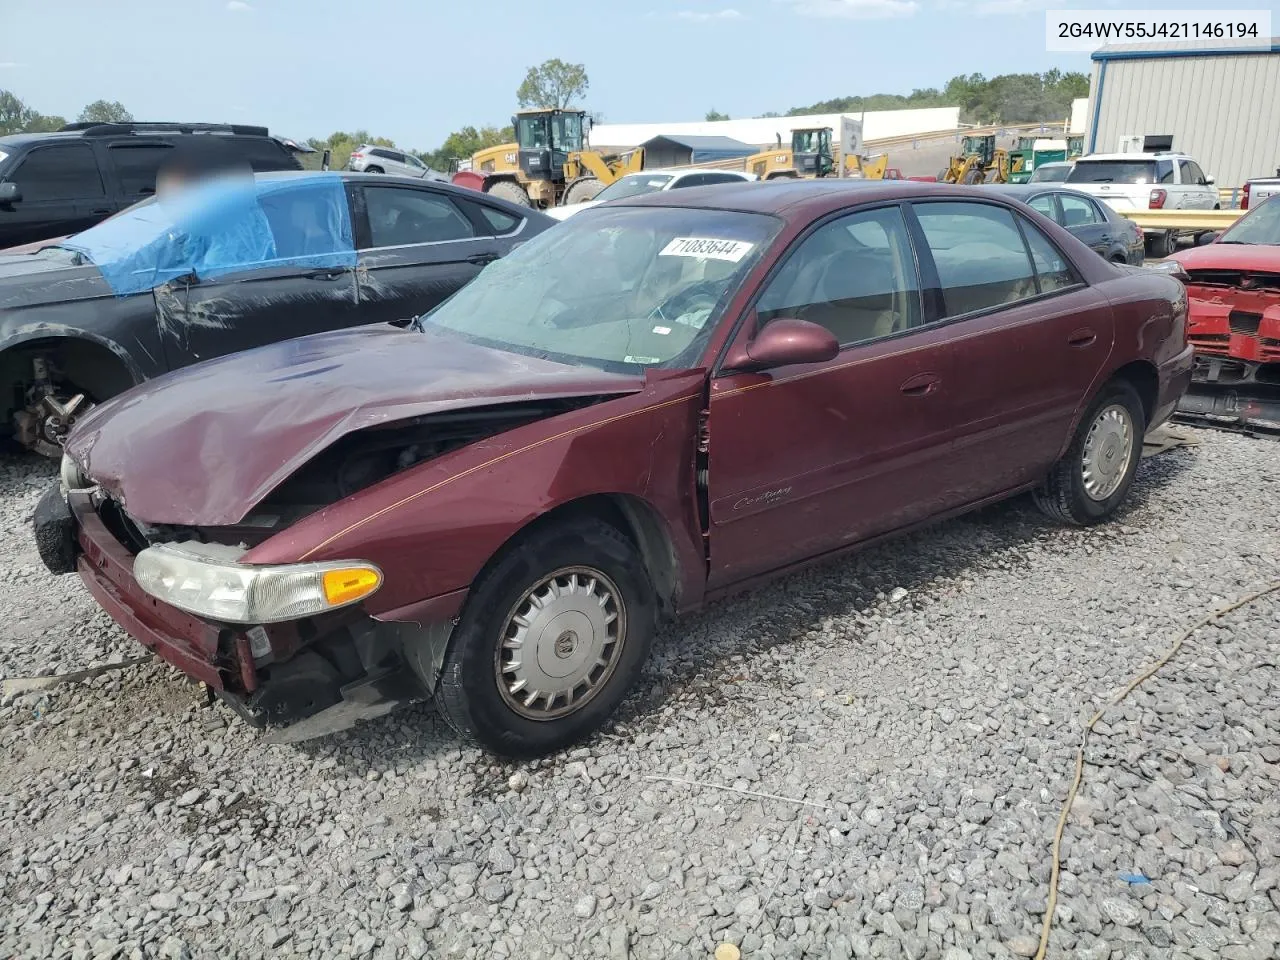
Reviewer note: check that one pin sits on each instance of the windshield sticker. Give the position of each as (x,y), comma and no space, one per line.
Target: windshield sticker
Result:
(707,247)
(662,330)
(644,360)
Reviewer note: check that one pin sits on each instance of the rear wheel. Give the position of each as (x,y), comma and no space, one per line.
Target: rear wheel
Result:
(1162,244)
(1093,477)
(976,175)
(510,191)
(582,190)
(553,637)
(374,170)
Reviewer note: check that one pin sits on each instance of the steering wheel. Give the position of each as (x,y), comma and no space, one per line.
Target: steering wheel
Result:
(698,296)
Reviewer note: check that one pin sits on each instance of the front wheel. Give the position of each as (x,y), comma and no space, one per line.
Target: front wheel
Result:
(1091,480)
(552,638)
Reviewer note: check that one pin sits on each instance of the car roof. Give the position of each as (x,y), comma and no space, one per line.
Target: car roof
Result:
(795,197)
(1162,155)
(21,139)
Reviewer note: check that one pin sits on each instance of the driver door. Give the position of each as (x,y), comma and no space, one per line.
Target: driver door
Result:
(806,459)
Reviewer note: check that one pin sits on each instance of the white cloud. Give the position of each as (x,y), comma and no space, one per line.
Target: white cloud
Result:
(238,6)
(701,16)
(9,64)
(856,9)
(1000,7)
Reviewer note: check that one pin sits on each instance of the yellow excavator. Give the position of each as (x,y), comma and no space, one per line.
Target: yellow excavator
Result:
(812,154)
(547,165)
(980,161)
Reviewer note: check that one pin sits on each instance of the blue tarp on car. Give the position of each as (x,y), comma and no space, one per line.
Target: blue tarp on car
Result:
(223,227)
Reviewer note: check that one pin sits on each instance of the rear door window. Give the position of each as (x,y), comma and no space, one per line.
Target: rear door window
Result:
(136,165)
(1044,204)
(62,172)
(499,222)
(402,217)
(1077,211)
(1053,270)
(981,259)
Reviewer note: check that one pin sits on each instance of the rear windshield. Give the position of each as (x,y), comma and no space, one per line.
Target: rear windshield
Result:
(634,186)
(1053,174)
(1113,171)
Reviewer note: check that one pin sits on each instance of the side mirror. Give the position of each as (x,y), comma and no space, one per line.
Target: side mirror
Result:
(1207,238)
(1209,180)
(10,192)
(782,342)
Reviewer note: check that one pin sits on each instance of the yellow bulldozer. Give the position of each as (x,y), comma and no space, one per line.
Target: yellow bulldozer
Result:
(981,161)
(812,154)
(548,164)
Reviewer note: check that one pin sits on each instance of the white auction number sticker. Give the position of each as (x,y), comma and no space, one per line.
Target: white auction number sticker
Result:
(708,247)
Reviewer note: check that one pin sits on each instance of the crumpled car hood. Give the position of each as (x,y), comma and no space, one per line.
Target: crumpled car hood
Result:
(204,445)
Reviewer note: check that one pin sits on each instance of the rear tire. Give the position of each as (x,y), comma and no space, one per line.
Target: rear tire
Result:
(1162,244)
(510,191)
(1093,477)
(581,190)
(538,619)
(374,170)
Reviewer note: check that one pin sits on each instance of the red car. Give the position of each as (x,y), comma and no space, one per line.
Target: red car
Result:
(658,402)
(1233,285)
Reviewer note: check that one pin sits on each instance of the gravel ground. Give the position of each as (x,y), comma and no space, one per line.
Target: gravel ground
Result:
(924,698)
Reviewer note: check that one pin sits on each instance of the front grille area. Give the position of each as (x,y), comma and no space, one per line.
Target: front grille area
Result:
(1245,323)
(1253,280)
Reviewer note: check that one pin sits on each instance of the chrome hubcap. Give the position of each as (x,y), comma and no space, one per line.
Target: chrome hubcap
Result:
(560,643)
(1108,452)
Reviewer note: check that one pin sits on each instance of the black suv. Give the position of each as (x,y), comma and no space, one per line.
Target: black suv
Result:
(54,184)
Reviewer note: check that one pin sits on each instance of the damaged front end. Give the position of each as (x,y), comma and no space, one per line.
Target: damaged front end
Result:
(1234,325)
(288,645)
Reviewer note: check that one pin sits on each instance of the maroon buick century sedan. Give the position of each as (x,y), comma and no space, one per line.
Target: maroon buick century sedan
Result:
(659,401)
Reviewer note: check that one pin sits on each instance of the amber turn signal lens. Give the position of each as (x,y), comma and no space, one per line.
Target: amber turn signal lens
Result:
(350,584)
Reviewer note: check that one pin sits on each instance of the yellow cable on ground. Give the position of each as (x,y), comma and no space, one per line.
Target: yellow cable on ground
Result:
(1056,867)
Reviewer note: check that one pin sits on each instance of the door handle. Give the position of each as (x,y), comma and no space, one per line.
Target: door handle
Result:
(103,211)
(1082,338)
(921,385)
(324,275)
(482,258)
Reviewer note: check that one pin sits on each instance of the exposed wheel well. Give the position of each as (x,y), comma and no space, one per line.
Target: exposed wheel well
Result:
(635,519)
(86,365)
(1142,376)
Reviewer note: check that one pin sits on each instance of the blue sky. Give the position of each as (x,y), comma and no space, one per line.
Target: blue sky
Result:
(414,71)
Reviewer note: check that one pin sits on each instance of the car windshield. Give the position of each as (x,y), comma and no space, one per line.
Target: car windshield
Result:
(1113,171)
(1050,174)
(1261,226)
(615,288)
(634,186)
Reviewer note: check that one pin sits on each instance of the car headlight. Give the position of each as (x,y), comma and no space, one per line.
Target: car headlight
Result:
(71,476)
(201,579)
(1172,267)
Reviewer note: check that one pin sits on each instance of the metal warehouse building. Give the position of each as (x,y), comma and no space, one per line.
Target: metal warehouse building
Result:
(1220,105)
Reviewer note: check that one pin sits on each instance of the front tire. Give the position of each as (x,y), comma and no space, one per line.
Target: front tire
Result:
(581,190)
(1092,479)
(553,636)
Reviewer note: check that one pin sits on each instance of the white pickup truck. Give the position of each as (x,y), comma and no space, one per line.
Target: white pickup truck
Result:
(1259,189)
(1146,181)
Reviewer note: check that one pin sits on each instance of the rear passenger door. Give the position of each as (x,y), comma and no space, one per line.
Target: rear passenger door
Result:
(1029,340)
(1085,221)
(417,245)
(133,168)
(61,193)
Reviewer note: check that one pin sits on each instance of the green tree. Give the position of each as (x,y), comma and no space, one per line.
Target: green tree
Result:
(14,114)
(713,115)
(463,143)
(554,84)
(105,111)
(40,123)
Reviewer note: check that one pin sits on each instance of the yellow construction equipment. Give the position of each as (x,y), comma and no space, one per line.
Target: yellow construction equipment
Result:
(547,165)
(979,161)
(813,154)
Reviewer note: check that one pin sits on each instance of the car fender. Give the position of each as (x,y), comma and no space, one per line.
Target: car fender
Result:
(434,528)
(18,336)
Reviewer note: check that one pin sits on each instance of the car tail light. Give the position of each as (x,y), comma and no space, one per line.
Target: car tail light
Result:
(357,156)
(1158,197)
(1244,198)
